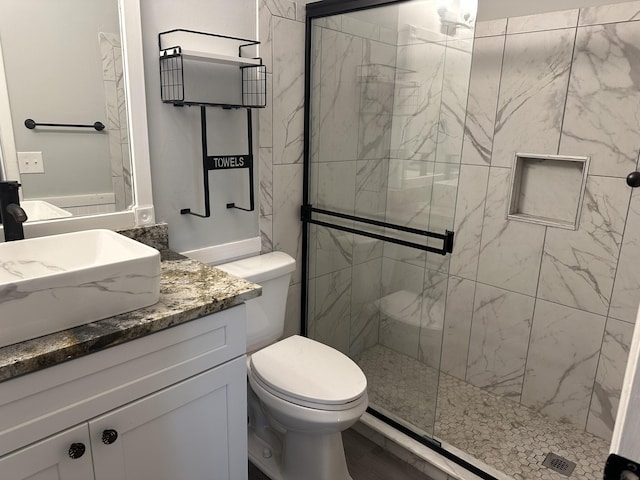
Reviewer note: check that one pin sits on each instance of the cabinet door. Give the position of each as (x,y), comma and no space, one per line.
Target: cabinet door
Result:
(51,459)
(193,430)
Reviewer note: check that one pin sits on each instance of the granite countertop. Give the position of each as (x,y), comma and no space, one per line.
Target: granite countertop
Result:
(188,290)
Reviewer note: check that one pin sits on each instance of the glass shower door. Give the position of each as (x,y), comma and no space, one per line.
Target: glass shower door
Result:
(388,89)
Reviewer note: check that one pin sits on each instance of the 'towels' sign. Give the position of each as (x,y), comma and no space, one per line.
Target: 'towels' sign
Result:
(224,162)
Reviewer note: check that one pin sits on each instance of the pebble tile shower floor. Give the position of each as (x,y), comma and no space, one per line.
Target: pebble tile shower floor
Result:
(503,434)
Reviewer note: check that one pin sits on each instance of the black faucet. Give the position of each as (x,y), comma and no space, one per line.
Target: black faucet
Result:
(12,216)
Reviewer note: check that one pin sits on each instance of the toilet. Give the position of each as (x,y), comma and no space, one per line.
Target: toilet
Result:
(302,394)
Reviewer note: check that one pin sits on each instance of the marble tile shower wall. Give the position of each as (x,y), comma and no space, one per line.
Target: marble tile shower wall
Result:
(539,314)
(353,99)
(385,129)
(117,127)
(281,133)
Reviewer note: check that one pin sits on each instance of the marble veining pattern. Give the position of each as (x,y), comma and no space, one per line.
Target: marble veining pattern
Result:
(434,297)
(282,8)
(562,361)
(287,198)
(418,92)
(609,378)
(401,306)
(543,21)
(117,127)
(334,250)
(602,118)
(490,28)
(534,82)
(499,339)
(332,309)
(510,252)
(265,166)
(626,290)
(578,268)
(339,96)
(288,91)
(442,209)
(265,223)
(482,104)
(469,216)
(265,118)
(188,290)
(265,32)
(365,315)
(360,28)
(13,270)
(529,103)
(336,186)
(454,100)
(457,326)
(618,12)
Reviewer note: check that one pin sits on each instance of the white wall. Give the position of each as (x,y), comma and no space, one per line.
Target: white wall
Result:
(174,132)
(492,9)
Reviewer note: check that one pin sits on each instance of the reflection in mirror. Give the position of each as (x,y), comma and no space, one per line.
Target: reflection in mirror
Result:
(65,71)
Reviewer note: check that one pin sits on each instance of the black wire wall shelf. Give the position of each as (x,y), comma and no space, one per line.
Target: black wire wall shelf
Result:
(174,62)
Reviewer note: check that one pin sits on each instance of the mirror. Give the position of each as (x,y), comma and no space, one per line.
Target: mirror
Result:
(58,71)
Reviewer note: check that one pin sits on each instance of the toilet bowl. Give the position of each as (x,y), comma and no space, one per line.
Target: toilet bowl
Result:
(302,394)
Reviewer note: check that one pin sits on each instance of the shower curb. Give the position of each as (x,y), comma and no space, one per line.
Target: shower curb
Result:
(420,456)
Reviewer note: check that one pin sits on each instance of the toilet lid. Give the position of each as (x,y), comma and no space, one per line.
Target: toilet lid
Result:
(303,369)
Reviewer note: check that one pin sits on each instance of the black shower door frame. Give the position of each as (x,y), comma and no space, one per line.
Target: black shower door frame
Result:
(317,10)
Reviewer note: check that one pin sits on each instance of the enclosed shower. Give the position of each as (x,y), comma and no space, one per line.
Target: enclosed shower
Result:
(467,226)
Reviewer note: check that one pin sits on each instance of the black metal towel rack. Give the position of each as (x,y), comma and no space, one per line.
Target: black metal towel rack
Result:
(447,237)
(172,90)
(31,124)
(223,162)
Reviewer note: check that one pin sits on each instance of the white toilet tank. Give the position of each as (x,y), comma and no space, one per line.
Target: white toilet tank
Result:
(265,314)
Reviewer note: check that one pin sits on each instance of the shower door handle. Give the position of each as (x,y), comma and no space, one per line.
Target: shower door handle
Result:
(306,215)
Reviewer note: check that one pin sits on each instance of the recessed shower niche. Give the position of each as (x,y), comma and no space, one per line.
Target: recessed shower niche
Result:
(547,189)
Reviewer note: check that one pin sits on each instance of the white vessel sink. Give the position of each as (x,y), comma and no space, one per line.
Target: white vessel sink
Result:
(53,283)
(41,210)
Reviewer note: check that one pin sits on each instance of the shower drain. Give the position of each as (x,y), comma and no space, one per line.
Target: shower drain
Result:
(559,464)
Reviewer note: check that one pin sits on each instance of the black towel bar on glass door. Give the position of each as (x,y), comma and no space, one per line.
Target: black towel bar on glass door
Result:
(31,124)
(447,238)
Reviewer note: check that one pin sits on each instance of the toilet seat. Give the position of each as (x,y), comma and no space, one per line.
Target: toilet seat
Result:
(308,373)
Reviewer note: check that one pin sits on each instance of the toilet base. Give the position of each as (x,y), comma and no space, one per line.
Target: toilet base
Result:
(304,457)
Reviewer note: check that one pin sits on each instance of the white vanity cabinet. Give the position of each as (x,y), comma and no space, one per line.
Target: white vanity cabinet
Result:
(46,460)
(168,406)
(179,432)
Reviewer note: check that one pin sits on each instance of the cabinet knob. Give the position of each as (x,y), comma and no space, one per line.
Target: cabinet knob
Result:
(109,436)
(76,450)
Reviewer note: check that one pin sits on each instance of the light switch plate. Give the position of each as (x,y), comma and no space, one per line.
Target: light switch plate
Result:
(30,162)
